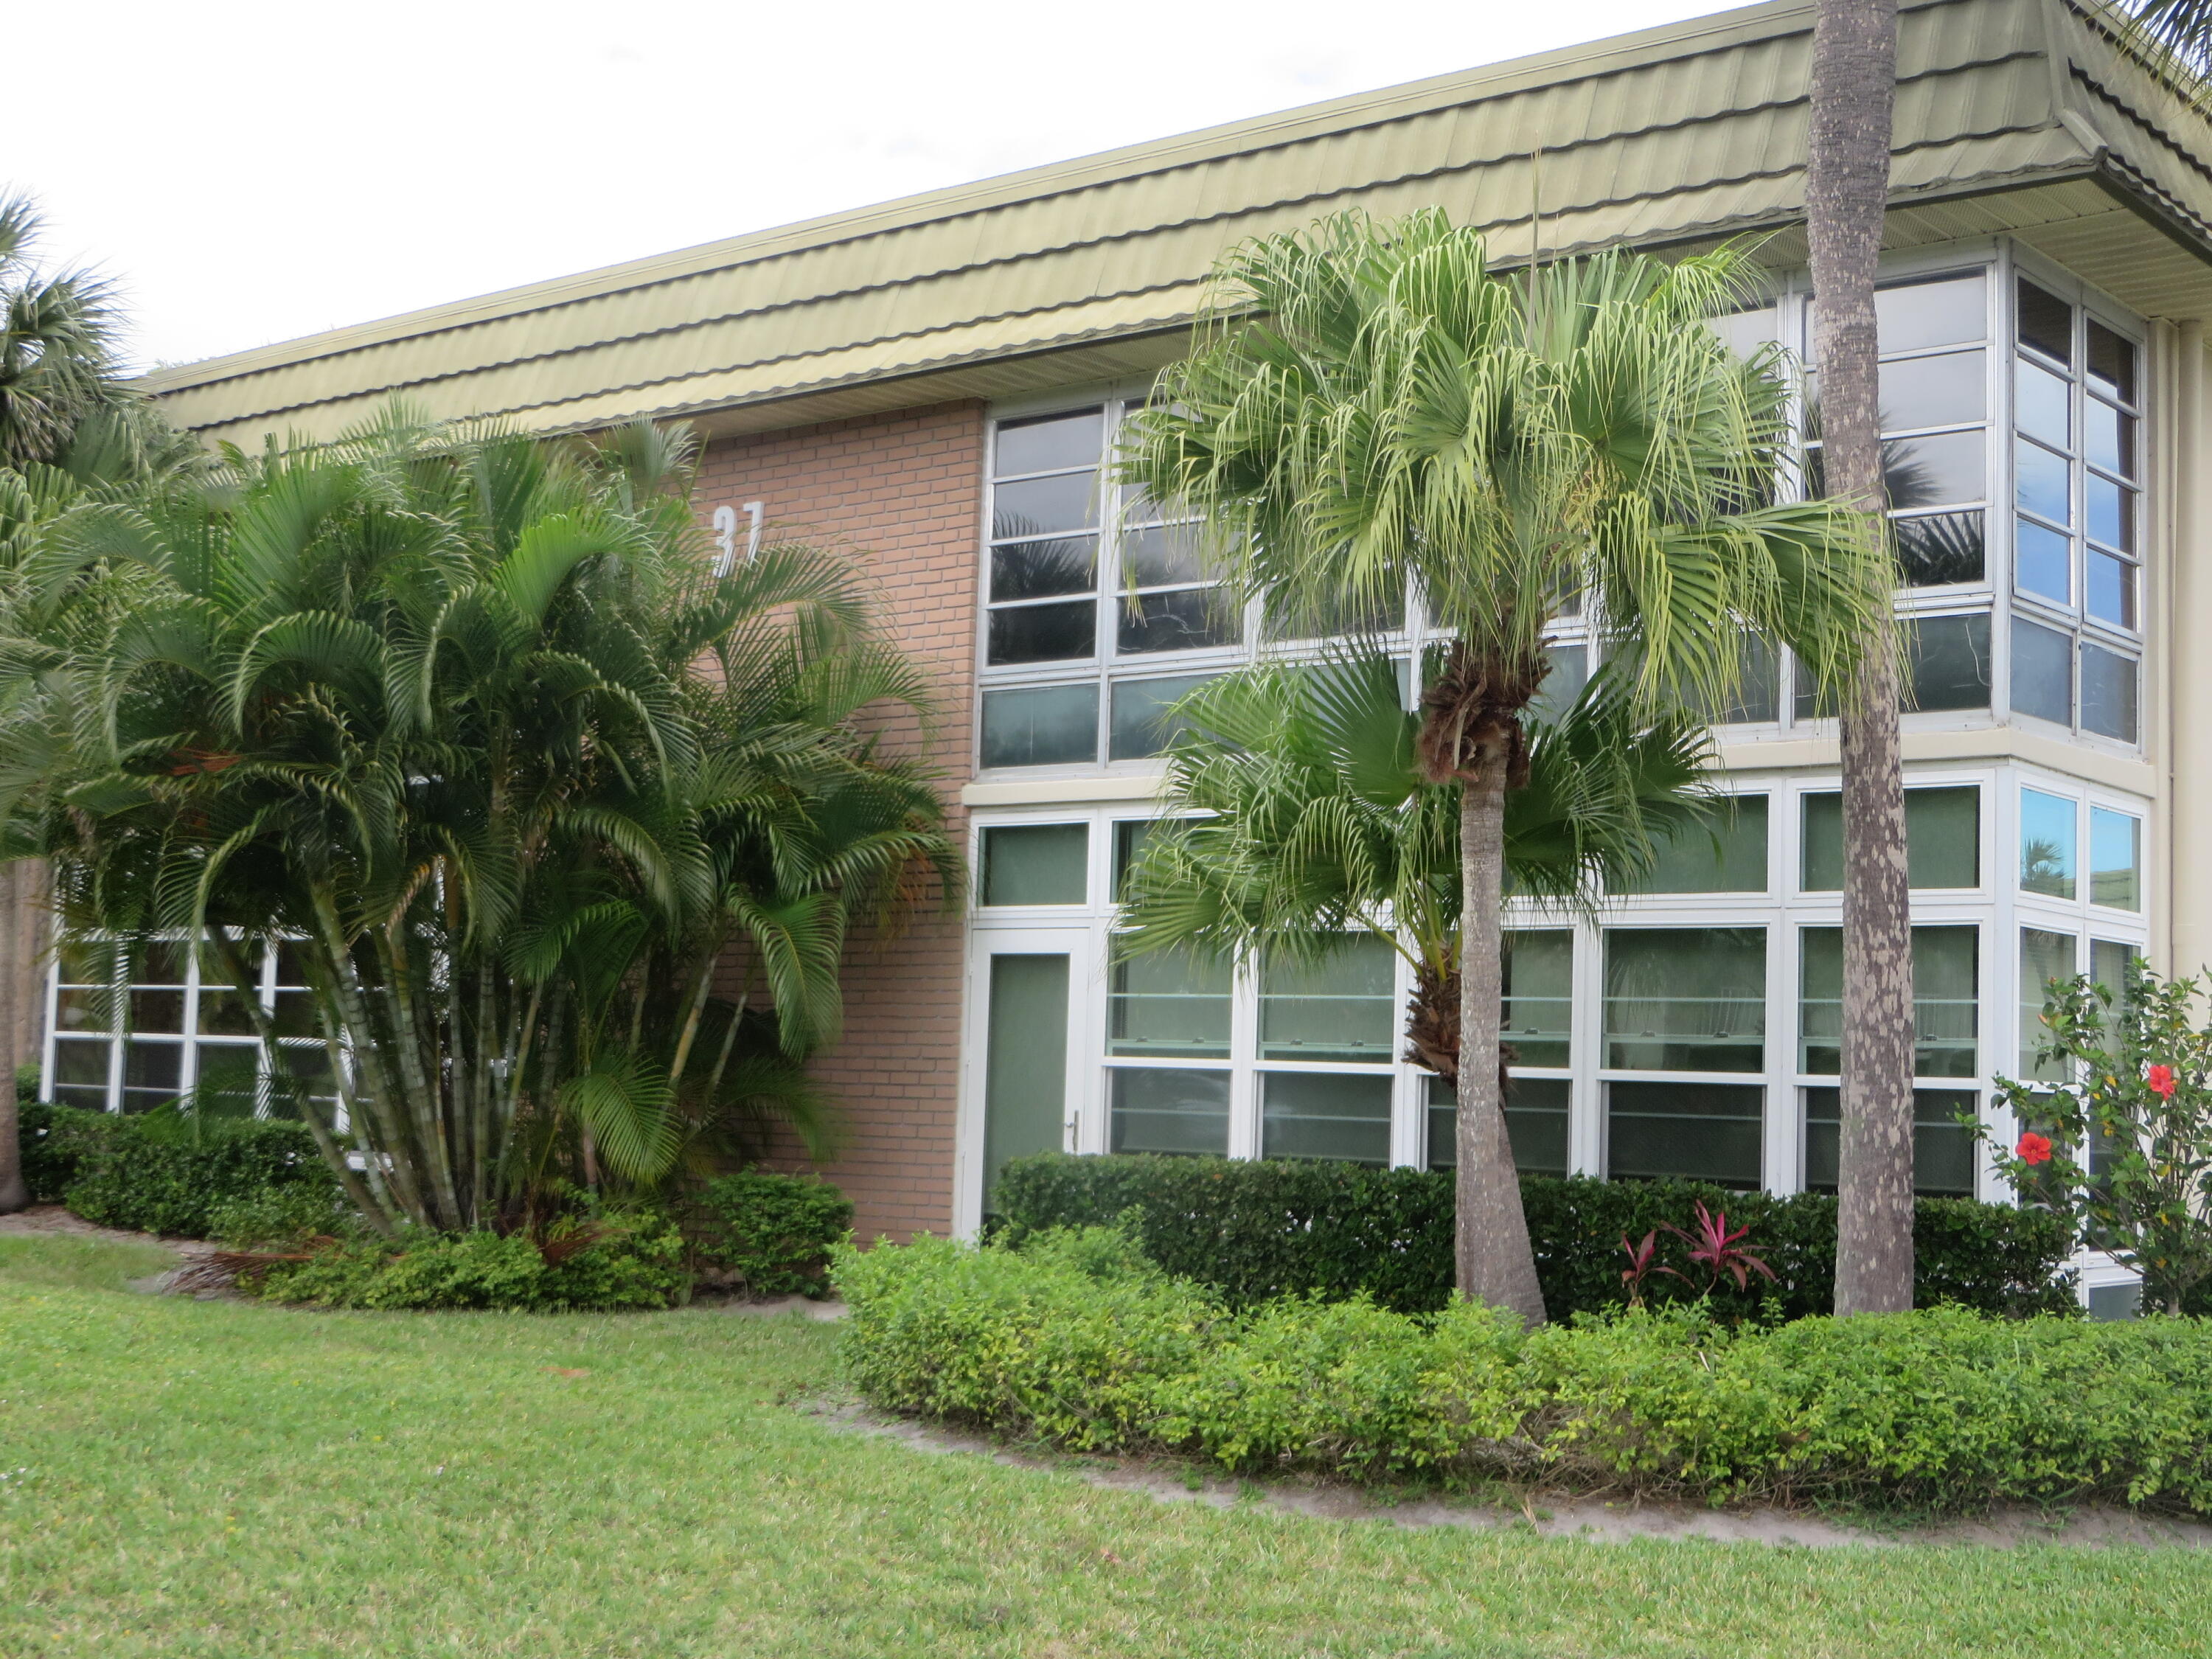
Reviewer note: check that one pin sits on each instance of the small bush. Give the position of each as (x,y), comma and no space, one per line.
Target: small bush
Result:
(1943,1407)
(773,1233)
(163,1171)
(281,1218)
(590,1266)
(1255,1229)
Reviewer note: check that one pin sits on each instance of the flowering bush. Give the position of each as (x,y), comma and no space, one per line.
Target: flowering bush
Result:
(2124,1144)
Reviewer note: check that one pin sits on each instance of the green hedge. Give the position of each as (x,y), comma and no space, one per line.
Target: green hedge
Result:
(773,1233)
(161,1171)
(1077,1340)
(600,1266)
(1253,1230)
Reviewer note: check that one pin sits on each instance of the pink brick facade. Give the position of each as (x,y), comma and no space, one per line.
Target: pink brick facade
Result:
(902,494)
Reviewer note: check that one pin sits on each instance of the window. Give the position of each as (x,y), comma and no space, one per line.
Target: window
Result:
(2077,518)
(132,1034)
(2047,844)
(1942,1146)
(1166,1010)
(1081,577)
(1685,999)
(1945,1006)
(2115,859)
(1729,858)
(1036,864)
(1537,1028)
(1339,1012)
(2044,956)
(1942,838)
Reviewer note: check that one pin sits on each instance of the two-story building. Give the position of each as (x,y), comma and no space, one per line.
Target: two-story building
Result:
(936,383)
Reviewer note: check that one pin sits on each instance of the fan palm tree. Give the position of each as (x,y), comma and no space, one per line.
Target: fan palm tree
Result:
(1311,820)
(58,335)
(469,725)
(1397,415)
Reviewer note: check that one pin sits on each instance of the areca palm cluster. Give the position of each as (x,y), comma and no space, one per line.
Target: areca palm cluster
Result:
(1369,406)
(469,725)
(1311,820)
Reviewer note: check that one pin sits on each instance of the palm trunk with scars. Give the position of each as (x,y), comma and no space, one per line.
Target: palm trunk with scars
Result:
(1847,190)
(1471,731)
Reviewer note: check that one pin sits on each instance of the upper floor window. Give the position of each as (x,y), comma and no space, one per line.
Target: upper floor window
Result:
(2077,576)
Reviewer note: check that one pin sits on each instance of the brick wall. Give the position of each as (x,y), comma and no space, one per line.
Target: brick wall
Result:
(902,494)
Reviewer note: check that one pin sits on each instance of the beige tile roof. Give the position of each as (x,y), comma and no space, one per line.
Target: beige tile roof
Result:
(2012,115)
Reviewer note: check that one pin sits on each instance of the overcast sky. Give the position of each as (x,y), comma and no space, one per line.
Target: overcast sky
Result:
(253,171)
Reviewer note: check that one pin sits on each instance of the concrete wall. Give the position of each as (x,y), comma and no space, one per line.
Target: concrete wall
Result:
(903,495)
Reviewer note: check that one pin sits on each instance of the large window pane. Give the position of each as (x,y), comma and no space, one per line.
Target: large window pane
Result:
(1949,658)
(2112,438)
(2044,957)
(2115,859)
(2110,514)
(2110,590)
(1039,570)
(153,1072)
(1942,1147)
(1186,619)
(1170,1004)
(1942,838)
(226,1079)
(1343,1007)
(2108,693)
(2040,482)
(1934,470)
(1035,863)
(1041,507)
(1563,679)
(1539,979)
(2112,363)
(2042,404)
(1535,1124)
(1685,998)
(81,1072)
(1041,725)
(1044,633)
(1139,725)
(2046,322)
(1157,1110)
(2043,564)
(1048,444)
(1946,1001)
(1728,858)
(2047,844)
(1686,1131)
(1161,556)
(2042,672)
(1331,1115)
(1937,549)
(1946,391)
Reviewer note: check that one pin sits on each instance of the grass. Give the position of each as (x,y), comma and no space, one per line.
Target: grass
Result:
(189,1479)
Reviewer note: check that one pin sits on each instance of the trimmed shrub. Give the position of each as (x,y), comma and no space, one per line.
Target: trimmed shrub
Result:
(1942,1407)
(163,1171)
(773,1233)
(593,1265)
(1255,1229)
(282,1218)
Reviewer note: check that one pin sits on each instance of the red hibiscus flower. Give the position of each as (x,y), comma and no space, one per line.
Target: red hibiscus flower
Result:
(2161,1079)
(2034,1148)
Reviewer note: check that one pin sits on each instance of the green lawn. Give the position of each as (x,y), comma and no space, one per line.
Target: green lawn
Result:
(212,1479)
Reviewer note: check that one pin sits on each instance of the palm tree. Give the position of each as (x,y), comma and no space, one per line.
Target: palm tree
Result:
(469,726)
(1311,820)
(1846,196)
(58,337)
(1400,416)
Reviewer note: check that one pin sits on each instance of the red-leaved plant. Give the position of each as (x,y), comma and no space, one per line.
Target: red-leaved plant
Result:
(1641,1264)
(1719,1251)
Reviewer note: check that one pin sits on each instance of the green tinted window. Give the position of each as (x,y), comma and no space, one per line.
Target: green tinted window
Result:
(1728,858)
(1036,864)
(1943,839)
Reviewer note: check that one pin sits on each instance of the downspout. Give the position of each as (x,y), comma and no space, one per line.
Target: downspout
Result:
(2188,677)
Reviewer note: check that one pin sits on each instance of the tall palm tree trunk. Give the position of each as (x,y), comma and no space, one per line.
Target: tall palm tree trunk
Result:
(1491,1254)
(1846,191)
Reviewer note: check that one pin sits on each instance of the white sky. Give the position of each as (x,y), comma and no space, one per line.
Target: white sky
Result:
(252,172)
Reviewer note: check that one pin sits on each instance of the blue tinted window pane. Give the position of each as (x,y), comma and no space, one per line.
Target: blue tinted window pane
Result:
(2112,513)
(2040,483)
(2115,859)
(2040,401)
(2112,589)
(2044,562)
(2047,844)
(1041,725)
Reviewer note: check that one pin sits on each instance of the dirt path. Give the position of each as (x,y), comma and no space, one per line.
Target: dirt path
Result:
(1554,1516)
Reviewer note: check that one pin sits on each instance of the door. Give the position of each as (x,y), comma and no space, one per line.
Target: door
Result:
(1024,1043)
